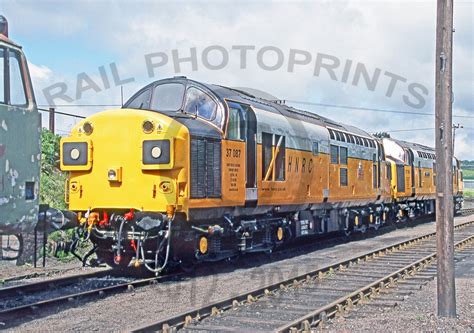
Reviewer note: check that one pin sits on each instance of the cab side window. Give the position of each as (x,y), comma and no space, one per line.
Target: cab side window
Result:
(236,127)
(17,87)
(12,83)
(2,76)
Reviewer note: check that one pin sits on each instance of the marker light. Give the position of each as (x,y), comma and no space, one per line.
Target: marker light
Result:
(75,154)
(88,128)
(112,175)
(148,126)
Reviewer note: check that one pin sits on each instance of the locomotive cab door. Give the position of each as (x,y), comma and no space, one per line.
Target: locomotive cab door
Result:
(411,162)
(242,126)
(251,193)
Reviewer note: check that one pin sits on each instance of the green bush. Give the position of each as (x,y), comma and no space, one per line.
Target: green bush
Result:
(52,184)
(52,179)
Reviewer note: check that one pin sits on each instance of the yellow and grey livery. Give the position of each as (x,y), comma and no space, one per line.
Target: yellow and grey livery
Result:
(187,171)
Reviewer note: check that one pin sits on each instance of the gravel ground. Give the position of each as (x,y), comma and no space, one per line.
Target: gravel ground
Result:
(54,268)
(468,203)
(418,311)
(211,282)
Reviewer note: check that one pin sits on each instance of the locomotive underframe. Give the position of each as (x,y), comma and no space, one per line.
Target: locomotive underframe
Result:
(168,242)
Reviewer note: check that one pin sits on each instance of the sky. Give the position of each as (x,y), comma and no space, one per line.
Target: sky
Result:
(289,44)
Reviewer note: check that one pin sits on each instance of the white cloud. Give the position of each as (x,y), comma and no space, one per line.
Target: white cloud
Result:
(40,73)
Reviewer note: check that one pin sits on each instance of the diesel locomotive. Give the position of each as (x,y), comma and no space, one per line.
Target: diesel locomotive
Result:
(187,172)
(20,152)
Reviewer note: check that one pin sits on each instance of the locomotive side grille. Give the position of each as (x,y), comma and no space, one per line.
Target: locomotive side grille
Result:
(400,178)
(198,168)
(213,159)
(205,168)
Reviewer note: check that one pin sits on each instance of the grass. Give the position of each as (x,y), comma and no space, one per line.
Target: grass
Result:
(468,193)
(468,174)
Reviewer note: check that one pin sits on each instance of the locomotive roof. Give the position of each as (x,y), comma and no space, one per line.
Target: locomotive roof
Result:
(7,40)
(239,95)
(414,146)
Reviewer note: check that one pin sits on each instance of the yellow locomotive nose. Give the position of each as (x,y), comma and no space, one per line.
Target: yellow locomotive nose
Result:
(126,158)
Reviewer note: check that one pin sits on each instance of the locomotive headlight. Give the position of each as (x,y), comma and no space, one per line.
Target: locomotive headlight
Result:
(87,128)
(156,152)
(75,154)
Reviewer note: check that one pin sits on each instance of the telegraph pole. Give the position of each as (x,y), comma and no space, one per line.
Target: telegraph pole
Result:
(52,120)
(444,160)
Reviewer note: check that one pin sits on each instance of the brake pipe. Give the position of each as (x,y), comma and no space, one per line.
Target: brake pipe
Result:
(168,238)
(119,240)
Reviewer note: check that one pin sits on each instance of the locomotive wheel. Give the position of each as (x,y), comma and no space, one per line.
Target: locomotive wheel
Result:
(188,266)
(347,233)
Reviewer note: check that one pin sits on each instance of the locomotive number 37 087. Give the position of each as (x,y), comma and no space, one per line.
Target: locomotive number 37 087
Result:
(232,153)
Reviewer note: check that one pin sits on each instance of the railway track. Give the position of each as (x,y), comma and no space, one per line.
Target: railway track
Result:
(33,298)
(302,302)
(466,211)
(32,275)
(29,299)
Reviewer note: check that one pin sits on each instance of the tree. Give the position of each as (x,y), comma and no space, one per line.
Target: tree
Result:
(381,135)
(52,179)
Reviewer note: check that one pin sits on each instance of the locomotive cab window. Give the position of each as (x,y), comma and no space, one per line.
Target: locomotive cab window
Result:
(167,97)
(200,104)
(236,129)
(140,101)
(12,82)
(17,87)
(2,76)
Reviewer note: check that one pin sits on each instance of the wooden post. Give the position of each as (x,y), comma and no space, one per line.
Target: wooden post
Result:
(444,160)
(51,119)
